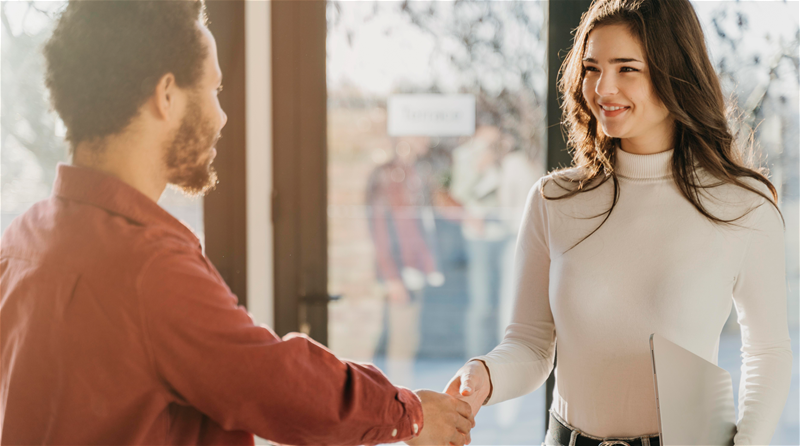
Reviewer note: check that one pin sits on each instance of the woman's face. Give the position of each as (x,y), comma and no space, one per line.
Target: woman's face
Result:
(618,90)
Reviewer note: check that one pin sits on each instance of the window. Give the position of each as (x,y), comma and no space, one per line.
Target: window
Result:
(32,135)
(754,48)
(422,221)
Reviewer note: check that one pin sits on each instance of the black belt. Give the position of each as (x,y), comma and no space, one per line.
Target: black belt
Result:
(562,435)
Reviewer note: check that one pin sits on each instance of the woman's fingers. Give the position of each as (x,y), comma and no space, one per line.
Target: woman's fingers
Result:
(471,378)
(466,385)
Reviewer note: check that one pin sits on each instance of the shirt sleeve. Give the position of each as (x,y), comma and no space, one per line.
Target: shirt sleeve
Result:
(209,354)
(759,295)
(524,359)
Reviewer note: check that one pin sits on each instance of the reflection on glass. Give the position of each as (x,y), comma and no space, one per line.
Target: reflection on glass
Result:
(754,47)
(397,200)
(422,225)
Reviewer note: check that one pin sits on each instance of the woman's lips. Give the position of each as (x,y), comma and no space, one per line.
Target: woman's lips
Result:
(611,114)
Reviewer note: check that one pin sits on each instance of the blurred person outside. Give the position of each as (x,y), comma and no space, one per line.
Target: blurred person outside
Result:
(476,179)
(661,225)
(519,172)
(116,329)
(402,229)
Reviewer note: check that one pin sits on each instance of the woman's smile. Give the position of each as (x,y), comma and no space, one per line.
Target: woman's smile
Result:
(612,110)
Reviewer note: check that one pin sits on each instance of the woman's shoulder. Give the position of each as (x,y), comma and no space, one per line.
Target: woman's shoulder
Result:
(564,195)
(746,191)
(730,199)
(566,181)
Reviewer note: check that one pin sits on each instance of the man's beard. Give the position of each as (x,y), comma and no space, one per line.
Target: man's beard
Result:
(188,156)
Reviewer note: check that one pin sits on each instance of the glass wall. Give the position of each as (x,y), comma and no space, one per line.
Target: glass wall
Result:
(754,47)
(436,124)
(31,134)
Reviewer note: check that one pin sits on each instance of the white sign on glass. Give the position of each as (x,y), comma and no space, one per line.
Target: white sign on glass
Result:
(431,115)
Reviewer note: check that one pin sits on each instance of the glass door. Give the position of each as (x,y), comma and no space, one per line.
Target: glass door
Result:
(436,132)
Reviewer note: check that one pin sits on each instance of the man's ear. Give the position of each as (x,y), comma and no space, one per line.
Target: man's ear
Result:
(165,97)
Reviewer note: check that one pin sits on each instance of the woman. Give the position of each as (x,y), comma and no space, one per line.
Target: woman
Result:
(657,224)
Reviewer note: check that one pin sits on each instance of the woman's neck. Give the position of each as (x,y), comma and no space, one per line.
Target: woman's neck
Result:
(655,140)
(648,147)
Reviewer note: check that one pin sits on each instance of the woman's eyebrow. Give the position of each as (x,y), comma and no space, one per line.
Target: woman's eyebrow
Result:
(617,60)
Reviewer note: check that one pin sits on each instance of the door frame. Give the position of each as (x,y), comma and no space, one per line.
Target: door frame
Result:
(300,160)
(300,164)
(225,208)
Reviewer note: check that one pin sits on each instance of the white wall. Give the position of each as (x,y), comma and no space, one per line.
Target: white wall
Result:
(259,160)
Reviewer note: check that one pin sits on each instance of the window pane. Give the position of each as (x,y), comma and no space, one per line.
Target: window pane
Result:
(754,48)
(32,136)
(425,198)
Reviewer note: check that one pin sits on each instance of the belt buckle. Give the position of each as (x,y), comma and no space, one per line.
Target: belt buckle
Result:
(614,442)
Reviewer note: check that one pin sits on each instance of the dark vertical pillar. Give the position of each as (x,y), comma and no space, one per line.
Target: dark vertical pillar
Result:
(225,208)
(564,17)
(299,95)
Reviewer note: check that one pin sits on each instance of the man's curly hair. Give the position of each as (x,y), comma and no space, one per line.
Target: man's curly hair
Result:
(105,58)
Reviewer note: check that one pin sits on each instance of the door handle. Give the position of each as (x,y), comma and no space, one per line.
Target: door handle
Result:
(313,299)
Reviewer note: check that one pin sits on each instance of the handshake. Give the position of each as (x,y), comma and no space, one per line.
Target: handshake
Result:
(449,417)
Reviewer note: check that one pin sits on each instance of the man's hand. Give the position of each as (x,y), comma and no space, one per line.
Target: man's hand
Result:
(471,384)
(397,292)
(447,420)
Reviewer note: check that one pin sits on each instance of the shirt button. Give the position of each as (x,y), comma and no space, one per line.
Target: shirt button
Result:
(394,433)
(416,428)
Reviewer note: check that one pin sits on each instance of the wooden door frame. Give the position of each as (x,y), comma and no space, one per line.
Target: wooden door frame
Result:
(300,160)
(225,208)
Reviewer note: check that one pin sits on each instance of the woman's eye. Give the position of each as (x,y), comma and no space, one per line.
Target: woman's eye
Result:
(628,69)
(589,68)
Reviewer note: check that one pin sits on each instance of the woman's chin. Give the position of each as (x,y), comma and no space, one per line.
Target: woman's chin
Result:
(614,132)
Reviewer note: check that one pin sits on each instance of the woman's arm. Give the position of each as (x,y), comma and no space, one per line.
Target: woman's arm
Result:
(759,294)
(524,360)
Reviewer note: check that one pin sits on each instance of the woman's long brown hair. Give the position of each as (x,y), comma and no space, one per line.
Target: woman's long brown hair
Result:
(683,79)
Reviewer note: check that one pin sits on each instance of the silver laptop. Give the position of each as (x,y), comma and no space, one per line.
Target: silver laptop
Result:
(694,397)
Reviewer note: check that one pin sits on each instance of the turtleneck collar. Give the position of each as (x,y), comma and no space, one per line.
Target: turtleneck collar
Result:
(644,167)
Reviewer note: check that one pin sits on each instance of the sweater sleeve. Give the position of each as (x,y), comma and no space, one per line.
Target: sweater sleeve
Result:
(759,295)
(209,354)
(524,359)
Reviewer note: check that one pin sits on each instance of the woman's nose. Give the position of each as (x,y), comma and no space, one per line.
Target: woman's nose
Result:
(606,85)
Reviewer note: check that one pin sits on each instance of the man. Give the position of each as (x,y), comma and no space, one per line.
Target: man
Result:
(397,199)
(114,327)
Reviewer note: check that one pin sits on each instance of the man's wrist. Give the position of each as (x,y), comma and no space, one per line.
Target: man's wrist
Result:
(414,419)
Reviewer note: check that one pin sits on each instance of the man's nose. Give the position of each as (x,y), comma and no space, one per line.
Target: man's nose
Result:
(224,119)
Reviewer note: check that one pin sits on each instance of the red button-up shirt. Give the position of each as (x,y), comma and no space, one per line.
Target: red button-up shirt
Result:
(116,329)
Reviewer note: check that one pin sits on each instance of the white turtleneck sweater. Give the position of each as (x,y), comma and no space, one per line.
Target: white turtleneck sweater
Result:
(657,265)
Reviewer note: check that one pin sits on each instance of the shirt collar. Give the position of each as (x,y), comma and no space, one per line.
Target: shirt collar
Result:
(644,167)
(105,191)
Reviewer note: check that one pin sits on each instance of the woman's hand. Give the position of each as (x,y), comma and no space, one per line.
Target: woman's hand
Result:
(472,384)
